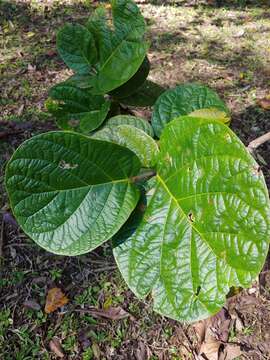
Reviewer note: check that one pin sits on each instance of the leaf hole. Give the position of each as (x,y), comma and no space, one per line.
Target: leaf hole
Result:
(191,217)
(198,290)
(67,166)
(256,170)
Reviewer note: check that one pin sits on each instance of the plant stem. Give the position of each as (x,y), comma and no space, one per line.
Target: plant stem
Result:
(252,146)
(144,176)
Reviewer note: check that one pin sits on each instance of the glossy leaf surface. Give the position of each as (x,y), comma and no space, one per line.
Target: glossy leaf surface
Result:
(206,226)
(134,139)
(136,121)
(70,193)
(183,100)
(121,50)
(146,95)
(77,109)
(133,84)
(76,47)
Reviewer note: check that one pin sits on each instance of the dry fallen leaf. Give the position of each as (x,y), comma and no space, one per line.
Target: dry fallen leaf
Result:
(56,348)
(55,299)
(96,351)
(32,304)
(230,352)
(112,313)
(264,102)
(211,333)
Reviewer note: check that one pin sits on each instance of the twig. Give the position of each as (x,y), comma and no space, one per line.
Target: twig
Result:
(254,144)
(144,176)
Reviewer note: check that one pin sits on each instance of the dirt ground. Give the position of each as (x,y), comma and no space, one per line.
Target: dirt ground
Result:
(226,47)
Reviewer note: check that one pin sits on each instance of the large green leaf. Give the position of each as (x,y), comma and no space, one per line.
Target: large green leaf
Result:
(121,50)
(134,83)
(206,227)
(183,100)
(146,95)
(76,47)
(136,121)
(70,193)
(77,109)
(134,139)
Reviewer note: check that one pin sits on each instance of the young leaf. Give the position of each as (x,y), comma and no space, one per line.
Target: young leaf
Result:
(76,47)
(183,100)
(134,83)
(146,95)
(212,113)
(122,51)
(71,193)
(134,139)
(77,109)
(119,67)
(136,121)
(206,226)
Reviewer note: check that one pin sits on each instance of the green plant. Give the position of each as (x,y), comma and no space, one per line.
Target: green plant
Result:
(184,202)
(110,64)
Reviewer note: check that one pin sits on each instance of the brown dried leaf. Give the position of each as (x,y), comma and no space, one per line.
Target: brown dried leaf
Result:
(96,351)
(264,102)
(230,352)
(55,299)
(56,347)
(211,333)
(20,110)
(32,304)
(112,313)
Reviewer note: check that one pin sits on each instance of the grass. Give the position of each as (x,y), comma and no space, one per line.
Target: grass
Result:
(226,48)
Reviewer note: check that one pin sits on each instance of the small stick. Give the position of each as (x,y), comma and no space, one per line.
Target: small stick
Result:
(254,144)
(144,176)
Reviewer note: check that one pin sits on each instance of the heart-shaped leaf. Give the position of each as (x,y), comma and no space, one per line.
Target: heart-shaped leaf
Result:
(76,47)
(122,51)
(71,193)
(135,121)
(183,100)
(77,109)
(206,226)
(134,139)
(146,95)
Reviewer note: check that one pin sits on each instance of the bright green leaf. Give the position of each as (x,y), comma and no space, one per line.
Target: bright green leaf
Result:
(77,109)
(134,139)
(71,193)
(206,226)
(212,113)
(183,100)
(76,47)
(136,121)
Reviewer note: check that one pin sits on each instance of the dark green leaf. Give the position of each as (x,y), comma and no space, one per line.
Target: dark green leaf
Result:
(70,193)
(77,109)
(146,95)
(134,83)
(76,47)
(122,51)
(206,226)
(183,100)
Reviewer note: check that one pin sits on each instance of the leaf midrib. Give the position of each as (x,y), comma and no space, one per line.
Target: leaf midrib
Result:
(188,221)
